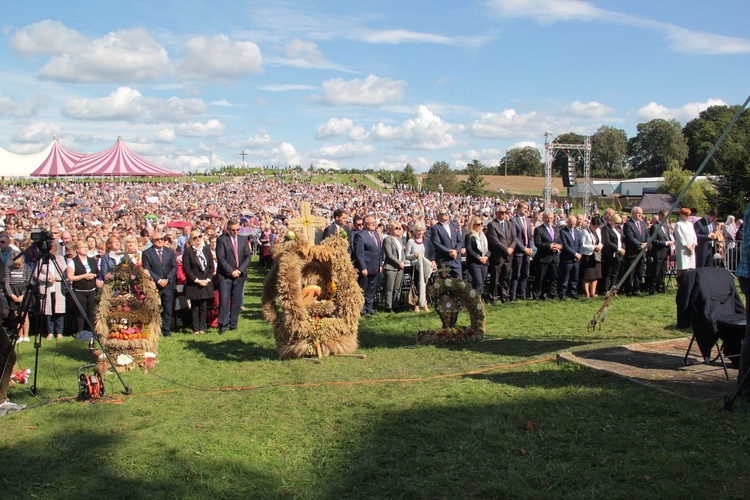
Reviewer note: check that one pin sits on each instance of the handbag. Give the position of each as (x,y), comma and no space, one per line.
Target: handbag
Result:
(597,256)
(413,297)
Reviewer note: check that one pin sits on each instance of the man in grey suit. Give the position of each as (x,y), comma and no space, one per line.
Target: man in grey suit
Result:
(501,236)
(522,252)
(394,261)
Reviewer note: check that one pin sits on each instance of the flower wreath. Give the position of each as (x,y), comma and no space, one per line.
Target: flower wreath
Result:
(449,296)
(128,319)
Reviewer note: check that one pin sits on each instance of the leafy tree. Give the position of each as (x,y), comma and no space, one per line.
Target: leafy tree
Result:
(474,183)
(408,176)
(523,161)
(440,174)
(675,180)
(609,149)
(731,162)
(657,146)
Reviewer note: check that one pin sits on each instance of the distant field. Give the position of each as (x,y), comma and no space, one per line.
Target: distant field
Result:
(519,184)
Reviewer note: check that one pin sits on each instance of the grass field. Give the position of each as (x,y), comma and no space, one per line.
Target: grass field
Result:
(222,417)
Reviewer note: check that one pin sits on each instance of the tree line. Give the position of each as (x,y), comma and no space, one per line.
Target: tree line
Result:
(659,148)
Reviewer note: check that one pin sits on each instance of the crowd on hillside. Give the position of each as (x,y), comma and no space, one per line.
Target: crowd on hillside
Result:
(197,240)
(465,234)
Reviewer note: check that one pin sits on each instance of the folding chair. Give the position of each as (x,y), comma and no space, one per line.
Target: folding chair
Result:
(716,314)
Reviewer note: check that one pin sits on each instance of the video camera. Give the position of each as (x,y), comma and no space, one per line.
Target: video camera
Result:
(42,239)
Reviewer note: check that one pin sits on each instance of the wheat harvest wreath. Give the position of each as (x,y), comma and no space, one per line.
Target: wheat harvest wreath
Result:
(128,320)
(450,296)
(311,297)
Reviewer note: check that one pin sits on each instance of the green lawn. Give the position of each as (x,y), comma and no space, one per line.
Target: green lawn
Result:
(223,417)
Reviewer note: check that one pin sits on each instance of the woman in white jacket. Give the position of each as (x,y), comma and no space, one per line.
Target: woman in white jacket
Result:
(685,241)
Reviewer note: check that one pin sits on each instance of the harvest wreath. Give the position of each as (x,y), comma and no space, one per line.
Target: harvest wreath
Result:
(449,296)
(128,319)
(311,297)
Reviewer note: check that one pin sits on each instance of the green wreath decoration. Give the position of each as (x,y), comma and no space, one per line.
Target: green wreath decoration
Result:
(450,296)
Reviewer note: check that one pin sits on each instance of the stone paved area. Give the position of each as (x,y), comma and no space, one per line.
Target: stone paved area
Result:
(659,365)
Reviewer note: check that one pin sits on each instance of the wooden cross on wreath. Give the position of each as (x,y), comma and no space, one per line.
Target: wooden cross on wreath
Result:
(306,223)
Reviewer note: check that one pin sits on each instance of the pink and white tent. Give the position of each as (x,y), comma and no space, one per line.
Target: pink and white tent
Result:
(118,161)
(59,161)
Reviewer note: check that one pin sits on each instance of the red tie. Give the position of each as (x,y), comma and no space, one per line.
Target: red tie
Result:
(236,253)
(159,253)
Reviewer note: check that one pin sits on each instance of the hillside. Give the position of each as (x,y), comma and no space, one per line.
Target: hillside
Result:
(519,184)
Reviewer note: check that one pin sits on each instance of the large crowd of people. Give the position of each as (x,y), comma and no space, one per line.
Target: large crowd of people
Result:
(197,241)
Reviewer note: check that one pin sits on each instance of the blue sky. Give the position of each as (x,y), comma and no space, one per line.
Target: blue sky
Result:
(190,83)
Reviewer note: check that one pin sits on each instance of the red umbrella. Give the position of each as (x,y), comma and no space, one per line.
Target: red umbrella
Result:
(180,224)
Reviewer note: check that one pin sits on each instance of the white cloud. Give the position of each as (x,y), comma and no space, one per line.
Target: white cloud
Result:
(341,127)
(124,103)
(420,163)
(127,55)
(683,114)
(306,55)
(211,128)
(36,133)
(397,37)
(591,109)
(286,155)
(285,87)
(546,11)
(220,58)
(698,42)
(346,150)
(259,139)
(47,37)
(334,127)
(425,131)
(130,105)
(507,124)
(165,136)
(679,39)
(325,163)
(372,91)
(26,109)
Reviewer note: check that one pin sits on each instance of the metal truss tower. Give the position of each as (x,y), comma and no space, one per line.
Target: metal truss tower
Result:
(580,150)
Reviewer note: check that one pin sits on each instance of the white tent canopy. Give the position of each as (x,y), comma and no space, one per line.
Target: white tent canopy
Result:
(16,165)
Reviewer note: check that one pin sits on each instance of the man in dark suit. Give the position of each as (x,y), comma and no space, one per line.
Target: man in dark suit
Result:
(704,231)
(340,218)
(447,242)
(547,258)
(357,225)
(501,239)
(233,259)
(524,249)
(161,264)
(635,235)
(570,259)
(661,247)
(368,259)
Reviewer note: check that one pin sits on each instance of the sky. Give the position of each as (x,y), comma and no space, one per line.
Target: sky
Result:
(192,84)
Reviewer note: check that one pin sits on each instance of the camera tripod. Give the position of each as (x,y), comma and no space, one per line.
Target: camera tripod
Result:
(36,293)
